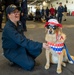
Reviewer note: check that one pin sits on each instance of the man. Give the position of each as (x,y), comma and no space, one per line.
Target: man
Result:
(60,12)
(16,47)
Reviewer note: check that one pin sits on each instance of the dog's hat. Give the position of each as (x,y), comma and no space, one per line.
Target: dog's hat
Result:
(53,22)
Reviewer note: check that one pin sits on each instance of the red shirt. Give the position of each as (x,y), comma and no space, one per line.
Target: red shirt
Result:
(52,11)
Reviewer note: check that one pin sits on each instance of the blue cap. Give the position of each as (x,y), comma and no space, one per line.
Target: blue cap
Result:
(11,8)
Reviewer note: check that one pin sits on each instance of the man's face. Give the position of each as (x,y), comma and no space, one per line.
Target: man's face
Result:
(60,4)
(15,15)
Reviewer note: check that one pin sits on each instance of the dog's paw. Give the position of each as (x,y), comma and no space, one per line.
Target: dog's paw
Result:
(47,66)
(59,70)
(64,64)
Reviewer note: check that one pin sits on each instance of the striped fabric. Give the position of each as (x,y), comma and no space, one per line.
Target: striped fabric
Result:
(56,47)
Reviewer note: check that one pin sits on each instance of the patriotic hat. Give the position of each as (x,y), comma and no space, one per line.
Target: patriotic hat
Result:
(53,22)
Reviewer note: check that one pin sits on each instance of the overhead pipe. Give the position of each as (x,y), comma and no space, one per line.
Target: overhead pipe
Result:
(33,2)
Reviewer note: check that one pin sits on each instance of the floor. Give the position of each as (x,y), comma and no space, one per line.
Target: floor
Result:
(36,32)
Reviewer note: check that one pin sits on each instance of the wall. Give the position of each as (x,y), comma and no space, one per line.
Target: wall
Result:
(70,4)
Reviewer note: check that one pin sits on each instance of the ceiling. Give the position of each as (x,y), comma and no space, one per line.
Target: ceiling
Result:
(32,2)
(37,1)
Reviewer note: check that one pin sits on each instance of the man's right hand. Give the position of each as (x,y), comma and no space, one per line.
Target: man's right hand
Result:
(45,45)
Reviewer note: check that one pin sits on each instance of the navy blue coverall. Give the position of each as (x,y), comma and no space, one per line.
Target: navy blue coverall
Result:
(24,16)
(60,13)
(17,48)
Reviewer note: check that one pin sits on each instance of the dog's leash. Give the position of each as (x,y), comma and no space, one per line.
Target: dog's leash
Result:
(68,54)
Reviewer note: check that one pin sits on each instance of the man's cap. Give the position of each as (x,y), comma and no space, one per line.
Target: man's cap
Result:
(11,8)
(53,22)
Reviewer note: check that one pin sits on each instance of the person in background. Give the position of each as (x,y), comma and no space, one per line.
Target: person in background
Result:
(43,15)
(65,12)
(47,11)
(42,12)
(16,47)
(24,14)
(60,11)
(8,2)
(37,15)
(49,17)
(55,13)
(52,11)
(30,17)
(1,15)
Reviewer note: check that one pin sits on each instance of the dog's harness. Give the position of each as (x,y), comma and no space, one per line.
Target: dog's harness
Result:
(57,47)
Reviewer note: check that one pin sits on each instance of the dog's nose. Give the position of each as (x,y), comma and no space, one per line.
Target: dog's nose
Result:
(50,31)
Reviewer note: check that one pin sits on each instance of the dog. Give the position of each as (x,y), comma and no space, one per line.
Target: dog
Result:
(55,38)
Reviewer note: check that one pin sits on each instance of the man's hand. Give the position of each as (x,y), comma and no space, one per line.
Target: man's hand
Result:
(45,45)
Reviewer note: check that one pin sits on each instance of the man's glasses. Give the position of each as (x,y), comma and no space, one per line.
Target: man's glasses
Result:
(15,12)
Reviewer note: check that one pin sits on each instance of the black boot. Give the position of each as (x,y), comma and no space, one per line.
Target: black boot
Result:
(64,20)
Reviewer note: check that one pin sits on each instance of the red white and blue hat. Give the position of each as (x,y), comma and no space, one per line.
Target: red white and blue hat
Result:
(53,22)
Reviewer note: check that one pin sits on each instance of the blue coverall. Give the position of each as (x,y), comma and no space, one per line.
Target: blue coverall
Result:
(17,48)
(60,13)
(24,16)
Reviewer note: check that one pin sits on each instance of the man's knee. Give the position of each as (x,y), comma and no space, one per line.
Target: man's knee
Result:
(29,66)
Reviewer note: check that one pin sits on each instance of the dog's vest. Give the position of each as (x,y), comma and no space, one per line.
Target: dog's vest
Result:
(57,47)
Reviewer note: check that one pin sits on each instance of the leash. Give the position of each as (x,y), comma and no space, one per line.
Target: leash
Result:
(68,54)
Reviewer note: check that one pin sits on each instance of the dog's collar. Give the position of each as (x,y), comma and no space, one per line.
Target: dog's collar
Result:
(56,47)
